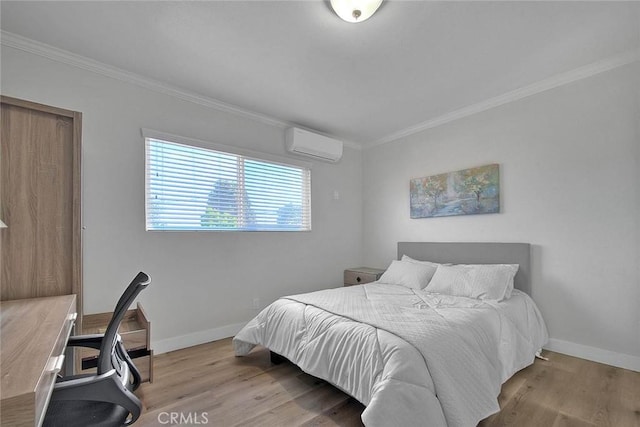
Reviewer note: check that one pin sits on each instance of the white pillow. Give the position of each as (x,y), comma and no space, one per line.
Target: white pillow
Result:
(409,274)
(415,261)
(432,265)
(481,281)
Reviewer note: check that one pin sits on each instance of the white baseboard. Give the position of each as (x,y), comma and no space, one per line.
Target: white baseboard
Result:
(195,338)
(619,360)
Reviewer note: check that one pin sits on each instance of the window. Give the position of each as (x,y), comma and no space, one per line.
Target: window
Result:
(189,187)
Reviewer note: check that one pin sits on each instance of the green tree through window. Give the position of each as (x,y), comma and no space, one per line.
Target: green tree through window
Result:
(194,188)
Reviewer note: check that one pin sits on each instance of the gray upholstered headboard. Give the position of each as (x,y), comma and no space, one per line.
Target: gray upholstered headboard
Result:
(474,253)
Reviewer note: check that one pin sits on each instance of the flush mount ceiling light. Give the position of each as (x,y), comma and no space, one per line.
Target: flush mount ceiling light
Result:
(355,10)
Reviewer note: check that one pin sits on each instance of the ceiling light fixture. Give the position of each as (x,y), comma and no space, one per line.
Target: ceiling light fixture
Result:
(355,10)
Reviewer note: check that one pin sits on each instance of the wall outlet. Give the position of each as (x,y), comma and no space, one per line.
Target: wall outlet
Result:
(256,303)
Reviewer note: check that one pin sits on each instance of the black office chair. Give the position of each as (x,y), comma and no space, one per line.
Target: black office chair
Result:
(105,398)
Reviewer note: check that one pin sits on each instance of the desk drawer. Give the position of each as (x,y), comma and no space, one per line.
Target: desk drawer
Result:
(135,332)
(142,358)
(35,332)
(55,364)
(132,340)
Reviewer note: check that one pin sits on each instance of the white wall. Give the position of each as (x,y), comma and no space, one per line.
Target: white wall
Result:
(203,283)
(570,185)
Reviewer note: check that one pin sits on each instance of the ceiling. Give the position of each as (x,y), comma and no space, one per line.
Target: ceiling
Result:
(297,62)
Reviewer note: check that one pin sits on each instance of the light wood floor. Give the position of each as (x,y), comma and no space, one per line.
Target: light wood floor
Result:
(208,385)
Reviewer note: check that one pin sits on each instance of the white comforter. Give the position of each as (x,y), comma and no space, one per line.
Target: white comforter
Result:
(413,358)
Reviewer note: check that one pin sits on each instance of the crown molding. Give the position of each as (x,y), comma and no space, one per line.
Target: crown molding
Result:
(79,61)
(69,58)
(577,74)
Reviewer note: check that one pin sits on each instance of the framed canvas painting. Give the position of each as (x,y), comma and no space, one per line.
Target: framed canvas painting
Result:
(465,192)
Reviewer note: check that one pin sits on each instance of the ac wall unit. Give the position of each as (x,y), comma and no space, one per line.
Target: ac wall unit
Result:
(305,143)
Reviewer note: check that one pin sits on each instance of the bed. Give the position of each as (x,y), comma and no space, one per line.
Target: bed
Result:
(410,355)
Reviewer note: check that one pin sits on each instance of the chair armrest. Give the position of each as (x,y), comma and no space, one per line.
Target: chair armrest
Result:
(103,388)
(135,373)
(89,341)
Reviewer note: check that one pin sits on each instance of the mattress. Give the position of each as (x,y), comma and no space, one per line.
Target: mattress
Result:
(410,356)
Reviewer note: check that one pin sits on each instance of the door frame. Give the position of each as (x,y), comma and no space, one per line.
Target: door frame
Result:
(76,263)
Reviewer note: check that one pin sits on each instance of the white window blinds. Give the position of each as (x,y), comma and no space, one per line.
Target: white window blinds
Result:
(195,188)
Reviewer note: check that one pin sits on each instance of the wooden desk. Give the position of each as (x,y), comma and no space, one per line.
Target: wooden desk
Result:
(34,337)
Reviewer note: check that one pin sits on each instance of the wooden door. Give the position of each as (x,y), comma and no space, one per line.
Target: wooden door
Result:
(40,250)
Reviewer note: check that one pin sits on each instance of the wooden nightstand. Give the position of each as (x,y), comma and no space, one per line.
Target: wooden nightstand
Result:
(361,275)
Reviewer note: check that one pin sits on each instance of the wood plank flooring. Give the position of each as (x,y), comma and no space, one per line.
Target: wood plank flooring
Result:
(208,385)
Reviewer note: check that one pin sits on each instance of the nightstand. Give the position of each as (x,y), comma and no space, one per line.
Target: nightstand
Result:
(361,275)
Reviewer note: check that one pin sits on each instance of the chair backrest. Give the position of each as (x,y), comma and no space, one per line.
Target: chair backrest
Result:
(108,358)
